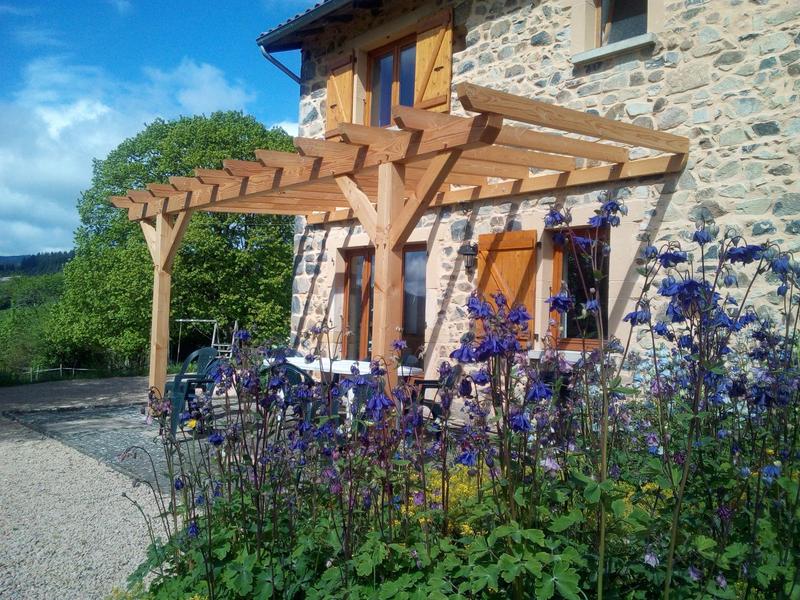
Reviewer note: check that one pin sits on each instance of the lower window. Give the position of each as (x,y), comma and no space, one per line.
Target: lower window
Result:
(357,315)
(580,266)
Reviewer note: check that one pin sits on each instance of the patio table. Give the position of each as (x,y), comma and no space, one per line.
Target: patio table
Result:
(324,365)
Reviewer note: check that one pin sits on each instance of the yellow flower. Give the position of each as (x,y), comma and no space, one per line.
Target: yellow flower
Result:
(191,423)
(466,529)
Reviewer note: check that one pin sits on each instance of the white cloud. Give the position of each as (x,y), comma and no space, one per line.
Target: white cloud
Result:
(289,127)
(64,115)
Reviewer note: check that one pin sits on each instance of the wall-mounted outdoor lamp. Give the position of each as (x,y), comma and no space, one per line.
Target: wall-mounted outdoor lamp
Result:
(470,254)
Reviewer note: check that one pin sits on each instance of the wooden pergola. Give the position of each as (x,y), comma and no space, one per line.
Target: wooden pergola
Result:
(387,179)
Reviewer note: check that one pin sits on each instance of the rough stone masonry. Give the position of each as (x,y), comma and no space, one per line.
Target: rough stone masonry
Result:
(724,73)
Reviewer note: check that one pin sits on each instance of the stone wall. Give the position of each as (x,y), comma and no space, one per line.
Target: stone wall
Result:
(725,73)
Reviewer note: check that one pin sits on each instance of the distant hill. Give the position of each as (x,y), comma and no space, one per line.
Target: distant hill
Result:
(34,264)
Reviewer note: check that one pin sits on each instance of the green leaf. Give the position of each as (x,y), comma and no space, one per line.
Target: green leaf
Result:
(509,567)
(618,508)
(519,497)
(705,546)
(533,535)
(566,580)
(566,521)
(592,492)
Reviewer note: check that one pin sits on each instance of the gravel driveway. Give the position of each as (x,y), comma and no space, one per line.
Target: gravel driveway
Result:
(65,529)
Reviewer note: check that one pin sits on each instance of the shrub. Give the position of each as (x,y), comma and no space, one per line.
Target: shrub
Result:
(669,471)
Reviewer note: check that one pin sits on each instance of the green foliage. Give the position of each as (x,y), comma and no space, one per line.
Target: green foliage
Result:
(34,264)
(25,310)
(229,267)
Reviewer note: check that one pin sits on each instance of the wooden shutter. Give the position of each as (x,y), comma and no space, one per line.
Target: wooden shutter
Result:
(340,93)
(434,66)
(507,264)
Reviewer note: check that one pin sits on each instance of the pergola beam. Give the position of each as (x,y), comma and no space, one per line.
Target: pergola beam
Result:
(360,203)
(480,99)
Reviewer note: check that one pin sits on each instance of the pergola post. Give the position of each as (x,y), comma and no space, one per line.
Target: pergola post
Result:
(163,238)
(388,283)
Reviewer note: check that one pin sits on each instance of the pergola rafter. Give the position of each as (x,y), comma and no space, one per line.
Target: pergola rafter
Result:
(388,178)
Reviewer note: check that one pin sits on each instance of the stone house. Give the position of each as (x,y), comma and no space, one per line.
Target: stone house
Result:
(723,73)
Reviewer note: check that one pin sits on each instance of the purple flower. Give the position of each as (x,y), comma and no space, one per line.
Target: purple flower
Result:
(520,422)
(550,466)
(464,354)
(638,317)
(419,498)
(770,472)
(721,581)
(671,258)
(724,513)
(649,252)
(468,458)
(465,388)
(478,309)
(193,530)
(481,377)
(179,484)
(399,345)
(651,559)
(729,279)
(500,300)
(539,391)
(561,302)
(695,574)
(745,254)
(554,218)
(242,335)
(780,264)
(490,346)
(309,358)
(519,315)
(592,306)
(216,439)
(702,236)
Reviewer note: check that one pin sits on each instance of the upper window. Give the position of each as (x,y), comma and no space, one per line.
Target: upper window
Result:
(619,20)
(391,80)
(414,69)
(357,317)
(580,266)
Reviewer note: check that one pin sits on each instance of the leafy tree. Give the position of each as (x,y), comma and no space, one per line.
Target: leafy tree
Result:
(229,267)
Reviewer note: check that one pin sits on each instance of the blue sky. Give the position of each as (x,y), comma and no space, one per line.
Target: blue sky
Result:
(80,76)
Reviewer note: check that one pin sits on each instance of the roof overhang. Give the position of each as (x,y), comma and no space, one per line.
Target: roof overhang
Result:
(289,35)
(494,154)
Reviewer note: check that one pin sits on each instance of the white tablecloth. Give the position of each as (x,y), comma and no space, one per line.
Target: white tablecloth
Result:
(322,364)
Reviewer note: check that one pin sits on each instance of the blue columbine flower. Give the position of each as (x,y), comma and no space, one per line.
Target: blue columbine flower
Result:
(399,345)
(520,423)
(539,391)
(464,354)
(729,279)
(671,258)
(481,377)
(465,388)
(193,530)
(592,306)
(702,236)
(500,300)
(782,289)
(179,484)
(216,439)
(478,309)
(490,346)
(519,315)
(745,254)
(554,218)
(468,458)
(649,252)
(561,302)
(638,317)
(770,472)
(780,264)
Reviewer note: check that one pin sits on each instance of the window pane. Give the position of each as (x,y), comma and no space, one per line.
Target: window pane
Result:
(414,262)
(578,274)
(408,60)
(354,308)
(623,19)
(381,80)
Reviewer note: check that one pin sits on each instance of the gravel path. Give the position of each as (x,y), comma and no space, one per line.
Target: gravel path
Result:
(65,529)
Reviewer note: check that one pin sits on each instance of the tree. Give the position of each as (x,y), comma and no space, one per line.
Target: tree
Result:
(229,267)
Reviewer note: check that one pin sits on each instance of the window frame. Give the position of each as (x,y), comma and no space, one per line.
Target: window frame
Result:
(368,253)
(567,343)
(603,30)
(394,47)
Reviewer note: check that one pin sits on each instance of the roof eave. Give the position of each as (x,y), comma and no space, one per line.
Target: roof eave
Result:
(275,40)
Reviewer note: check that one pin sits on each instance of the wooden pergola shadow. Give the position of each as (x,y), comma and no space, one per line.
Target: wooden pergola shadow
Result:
(388,178)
